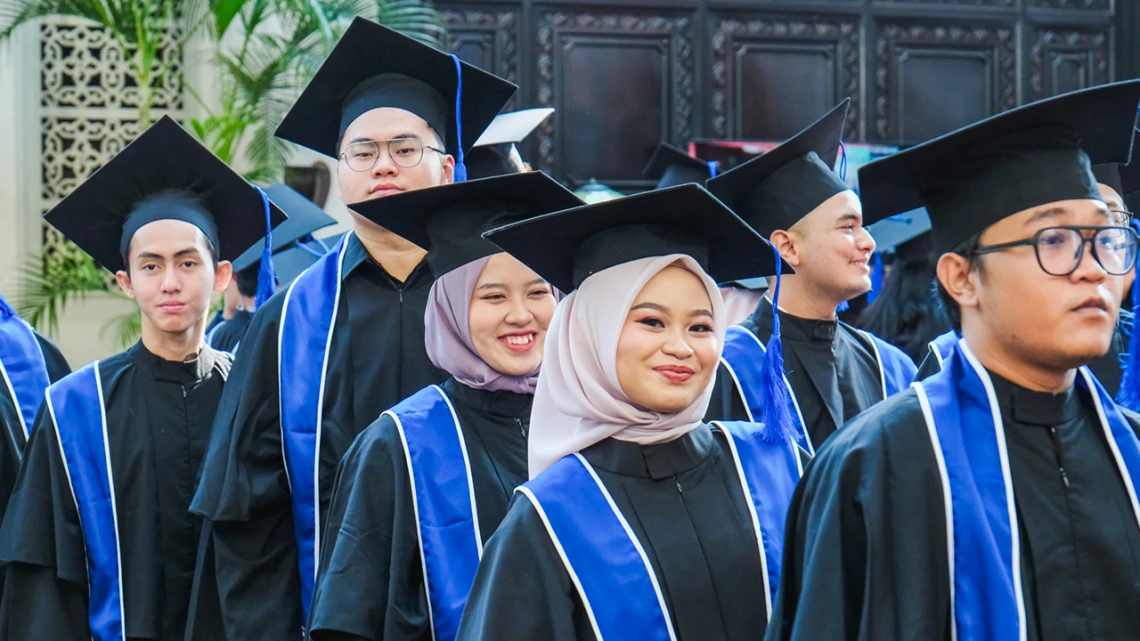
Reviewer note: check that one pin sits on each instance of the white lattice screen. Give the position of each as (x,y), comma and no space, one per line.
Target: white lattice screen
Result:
(87,111)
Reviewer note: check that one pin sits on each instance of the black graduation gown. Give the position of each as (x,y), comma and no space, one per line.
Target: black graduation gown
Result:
(684,503)
(159,414)
(377,358)
(371,545)
(216,320)
(865,553)
(230,333)
(830,367)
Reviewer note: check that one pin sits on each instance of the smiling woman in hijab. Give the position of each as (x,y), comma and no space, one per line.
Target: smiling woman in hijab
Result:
(423,487)
(640,521)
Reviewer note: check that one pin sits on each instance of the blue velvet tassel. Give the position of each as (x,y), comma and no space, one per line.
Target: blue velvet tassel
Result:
(1129,394)
(842,307)
(460,168)
(778,423)
(876,278)
(712,168)
(266,277)
(6,309)
(842,161)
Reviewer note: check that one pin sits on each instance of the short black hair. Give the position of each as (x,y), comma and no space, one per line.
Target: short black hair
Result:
(968,250)
(247,279)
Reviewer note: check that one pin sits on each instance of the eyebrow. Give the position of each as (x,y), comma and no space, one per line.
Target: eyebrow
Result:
(396,137)
(665,310)
(181,254)
(849,216)
(537,281)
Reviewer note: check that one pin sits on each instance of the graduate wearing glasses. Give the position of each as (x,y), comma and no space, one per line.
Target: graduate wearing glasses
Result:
(996,499)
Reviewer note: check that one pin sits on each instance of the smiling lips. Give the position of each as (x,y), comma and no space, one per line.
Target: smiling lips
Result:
(675,374)
(521,342)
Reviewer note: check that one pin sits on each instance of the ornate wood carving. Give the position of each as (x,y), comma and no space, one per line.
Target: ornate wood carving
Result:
(494,32)
(1063,60)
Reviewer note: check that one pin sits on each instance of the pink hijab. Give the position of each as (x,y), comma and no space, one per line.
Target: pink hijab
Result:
(579,401)
(447,334)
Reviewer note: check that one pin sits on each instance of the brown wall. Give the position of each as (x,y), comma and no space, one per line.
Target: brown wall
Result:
(623,75)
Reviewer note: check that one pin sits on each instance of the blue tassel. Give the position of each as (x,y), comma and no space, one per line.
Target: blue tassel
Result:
(778,424)
(266,277)
(842,161)
(6,309)
(876,278)
(842,307)
(460,168)
(712,168)
(1129,394)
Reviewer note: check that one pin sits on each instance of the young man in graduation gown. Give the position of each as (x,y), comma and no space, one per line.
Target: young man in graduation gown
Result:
(98,539)
(345,341)
(304,219)
(792,197)
(997,498)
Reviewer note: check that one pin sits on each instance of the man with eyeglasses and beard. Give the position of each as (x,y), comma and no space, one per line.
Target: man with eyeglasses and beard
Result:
(996,499)
(345,341)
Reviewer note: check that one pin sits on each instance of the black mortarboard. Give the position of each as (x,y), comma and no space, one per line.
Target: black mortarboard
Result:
(1024,158)
(164,174)
(297,257)
(449,220)
(372,67)
(670,167)
(304,219)
(889,233)
(1124,179)
(776,190)
(568,246)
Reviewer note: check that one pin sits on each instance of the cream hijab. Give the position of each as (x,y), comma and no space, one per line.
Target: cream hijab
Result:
(579,401)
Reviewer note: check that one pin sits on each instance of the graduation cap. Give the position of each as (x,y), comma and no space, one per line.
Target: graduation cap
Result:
(1024,158)
(1124,179)
(568,246)
(304,219)
(892,232)
(373,67)
(165,174)
(449,220)
(491,155)
(297,257)
(776,190)
(670,167)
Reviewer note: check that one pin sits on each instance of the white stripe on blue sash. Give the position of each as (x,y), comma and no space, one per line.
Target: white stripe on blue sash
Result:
(22,368)
(77,410)
(308,317)
(742,355)
(443,500)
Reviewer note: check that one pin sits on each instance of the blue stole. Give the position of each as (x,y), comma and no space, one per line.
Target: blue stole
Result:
(22,367)
(742,355)
(443,499)
(896,370)
(965,427)
(943,346)
(606,562)
(80,418)
(306,328)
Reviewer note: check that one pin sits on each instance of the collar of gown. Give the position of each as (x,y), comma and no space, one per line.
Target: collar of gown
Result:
(659,461)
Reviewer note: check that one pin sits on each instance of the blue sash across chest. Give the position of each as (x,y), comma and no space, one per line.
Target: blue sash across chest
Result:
(77,409)
(306,331)
(608,565)
(22,368)
(443,498)
(966,431)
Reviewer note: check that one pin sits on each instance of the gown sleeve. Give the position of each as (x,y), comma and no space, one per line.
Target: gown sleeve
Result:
(41,545)
(865,545)
(244,492)
(371,547)
(57,366)
(522,589)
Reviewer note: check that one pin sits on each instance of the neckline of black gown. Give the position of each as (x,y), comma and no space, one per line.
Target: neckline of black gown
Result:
(356,254)
(503,403)
(190,371)
(794,327)
(1028,407)
(658,461)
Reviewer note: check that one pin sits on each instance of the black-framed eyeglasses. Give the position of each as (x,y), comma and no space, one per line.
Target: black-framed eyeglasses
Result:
(405,152)
(1060,249)
(1122,216)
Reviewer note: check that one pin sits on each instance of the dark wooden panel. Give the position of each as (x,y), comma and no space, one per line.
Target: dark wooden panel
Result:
(487,38)
(956,4)
(1064,60)
(771,77)
(1096,5)
(933,79)
(620,83)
